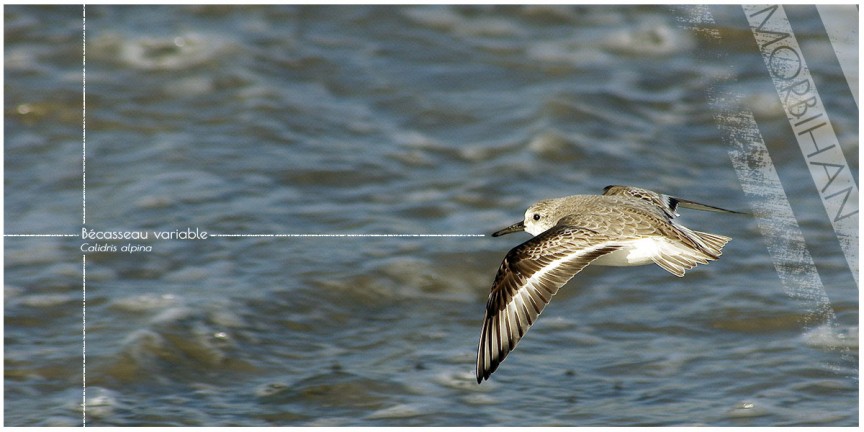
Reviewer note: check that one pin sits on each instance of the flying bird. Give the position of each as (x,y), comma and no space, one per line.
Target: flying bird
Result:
(625,226)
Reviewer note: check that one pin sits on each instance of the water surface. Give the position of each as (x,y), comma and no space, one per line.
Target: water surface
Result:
(397,120)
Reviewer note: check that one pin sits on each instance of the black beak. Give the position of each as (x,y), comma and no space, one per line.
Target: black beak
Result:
(518,226)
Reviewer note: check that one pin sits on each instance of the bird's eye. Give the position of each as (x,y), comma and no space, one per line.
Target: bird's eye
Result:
(536,216)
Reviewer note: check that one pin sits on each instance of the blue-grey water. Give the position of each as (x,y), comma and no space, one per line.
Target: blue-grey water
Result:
(397,120)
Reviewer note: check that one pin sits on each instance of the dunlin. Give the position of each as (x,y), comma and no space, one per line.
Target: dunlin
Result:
(626,226)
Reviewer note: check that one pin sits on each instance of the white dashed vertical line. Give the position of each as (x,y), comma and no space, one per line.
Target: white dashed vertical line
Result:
(84,214)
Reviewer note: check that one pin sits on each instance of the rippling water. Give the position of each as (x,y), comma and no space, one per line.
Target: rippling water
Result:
(397,120)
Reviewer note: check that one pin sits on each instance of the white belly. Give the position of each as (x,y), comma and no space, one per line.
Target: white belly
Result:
(634,253)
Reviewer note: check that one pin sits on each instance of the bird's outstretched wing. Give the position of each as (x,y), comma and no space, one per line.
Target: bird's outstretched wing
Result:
(529,276)
(667,203)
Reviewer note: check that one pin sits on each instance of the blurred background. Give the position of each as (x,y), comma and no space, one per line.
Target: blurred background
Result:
(399,120)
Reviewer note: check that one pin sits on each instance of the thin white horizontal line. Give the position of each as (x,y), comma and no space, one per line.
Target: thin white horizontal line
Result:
(281,235)
(41,235)
(347,235)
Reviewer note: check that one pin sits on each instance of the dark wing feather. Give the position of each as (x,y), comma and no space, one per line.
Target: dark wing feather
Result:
(529,276)
(668,204)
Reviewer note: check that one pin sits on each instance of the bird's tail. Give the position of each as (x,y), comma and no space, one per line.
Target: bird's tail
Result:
(677,258)
(712,243)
